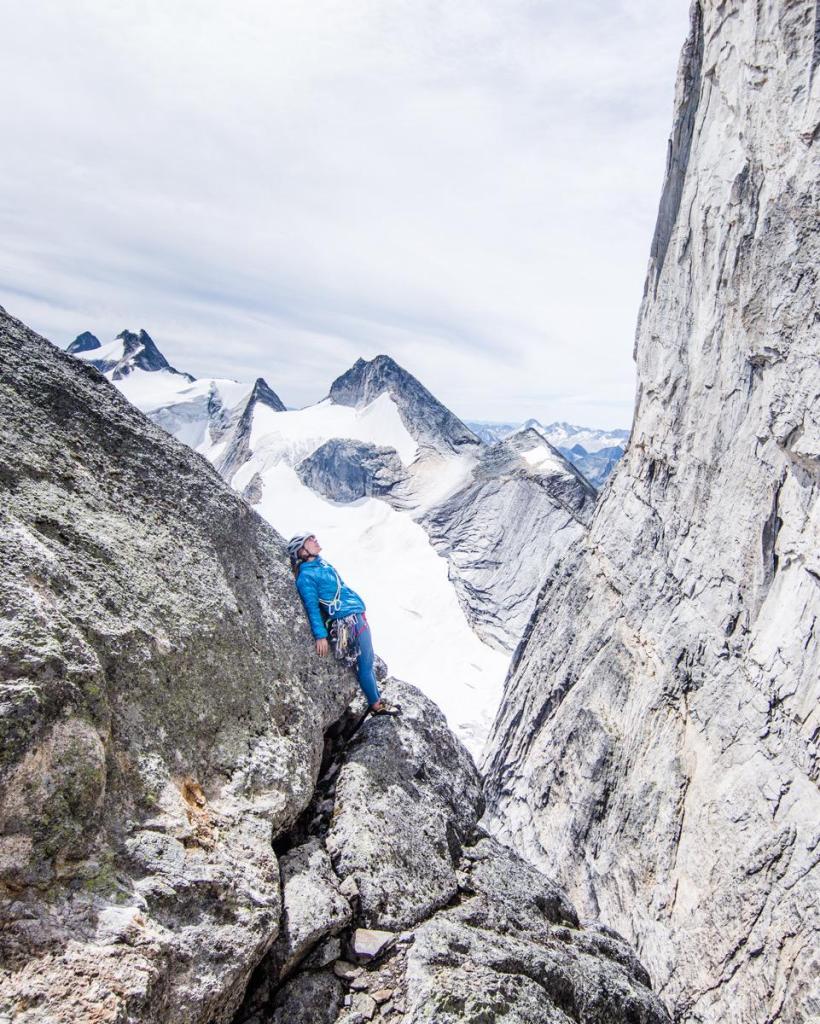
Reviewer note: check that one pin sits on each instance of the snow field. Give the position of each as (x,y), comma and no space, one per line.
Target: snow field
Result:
(541,458)
(304,430)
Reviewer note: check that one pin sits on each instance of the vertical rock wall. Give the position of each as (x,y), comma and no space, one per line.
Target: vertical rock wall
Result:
(656,749)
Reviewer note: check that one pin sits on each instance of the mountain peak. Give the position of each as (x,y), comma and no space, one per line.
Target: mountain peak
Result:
(264,393)
(135,352)
(141,352)
(426,419)
(84,342)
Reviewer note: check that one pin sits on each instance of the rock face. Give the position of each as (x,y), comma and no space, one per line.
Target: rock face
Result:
(506,529)
(448,925)
(161,713)
(656,746)
(239,424)
(425,417)
(84,342)
(398,824)
(344,470)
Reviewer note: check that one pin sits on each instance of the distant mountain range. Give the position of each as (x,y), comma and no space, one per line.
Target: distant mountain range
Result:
(389,479)
(594,452)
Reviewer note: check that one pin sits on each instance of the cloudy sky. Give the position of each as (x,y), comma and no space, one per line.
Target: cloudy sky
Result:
(275,188)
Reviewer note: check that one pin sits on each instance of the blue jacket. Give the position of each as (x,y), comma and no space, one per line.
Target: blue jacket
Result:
(324,595)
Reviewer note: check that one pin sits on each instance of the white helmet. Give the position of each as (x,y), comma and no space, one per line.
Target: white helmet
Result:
(295,544)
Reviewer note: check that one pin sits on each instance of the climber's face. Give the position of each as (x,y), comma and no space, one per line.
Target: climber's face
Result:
(312,547)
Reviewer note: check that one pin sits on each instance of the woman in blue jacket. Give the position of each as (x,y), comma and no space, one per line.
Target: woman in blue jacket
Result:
(326,597)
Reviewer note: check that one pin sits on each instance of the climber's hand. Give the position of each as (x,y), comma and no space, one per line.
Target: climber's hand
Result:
(321,647)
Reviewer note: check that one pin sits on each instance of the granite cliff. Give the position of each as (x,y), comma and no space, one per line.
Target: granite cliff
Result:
(656,747)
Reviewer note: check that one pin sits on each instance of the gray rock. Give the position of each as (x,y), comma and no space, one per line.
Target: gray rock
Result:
(426,419)
(348,888)
(252,492)
(504,531)
(407,796)
(506,945)
(369,942)
(326,953)
(161,713)
(311,998)
(312,905)
(656,747)
(512,950)
(345,470)
(364,1005)
(347,971)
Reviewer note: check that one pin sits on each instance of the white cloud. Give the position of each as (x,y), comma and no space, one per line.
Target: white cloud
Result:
(276,189)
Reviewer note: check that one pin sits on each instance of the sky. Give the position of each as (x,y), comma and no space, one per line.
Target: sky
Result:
(277,188)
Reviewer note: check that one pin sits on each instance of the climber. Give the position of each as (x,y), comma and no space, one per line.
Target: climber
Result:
(330,604)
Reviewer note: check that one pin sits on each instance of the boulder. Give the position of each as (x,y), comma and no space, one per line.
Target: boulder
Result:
(345,470)
(407,796)
(312,904)
(512,949)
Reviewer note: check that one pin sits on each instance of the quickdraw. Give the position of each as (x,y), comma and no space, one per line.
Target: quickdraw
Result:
(344,639)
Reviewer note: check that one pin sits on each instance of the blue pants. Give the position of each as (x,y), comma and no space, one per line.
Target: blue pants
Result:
(364,666)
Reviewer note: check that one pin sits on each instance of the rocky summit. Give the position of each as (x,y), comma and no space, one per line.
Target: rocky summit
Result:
(656,748)
(426,419)
(195,825)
